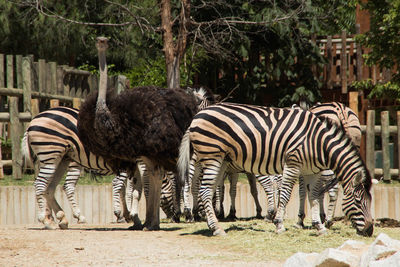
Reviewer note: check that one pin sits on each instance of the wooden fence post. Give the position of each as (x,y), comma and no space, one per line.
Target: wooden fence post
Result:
(353,102)
(370,142)
(359,60)
(34,107)
(2,84)
(330,62)
(385,145)
(42,75)
(54,103)
(27,82)
(343,63)
(15,138)
(76,102)
(398,140)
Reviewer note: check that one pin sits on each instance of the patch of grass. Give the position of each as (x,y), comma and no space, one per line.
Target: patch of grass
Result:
(27,180)
(256,240)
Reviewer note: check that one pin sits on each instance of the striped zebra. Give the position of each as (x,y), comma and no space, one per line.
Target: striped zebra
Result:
(265,141)
(349,122)
(51,140)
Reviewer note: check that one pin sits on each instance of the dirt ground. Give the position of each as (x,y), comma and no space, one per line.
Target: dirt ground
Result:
(110,245)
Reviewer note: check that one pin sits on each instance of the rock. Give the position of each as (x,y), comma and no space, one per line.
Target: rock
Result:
(352,245)
(332,257)
(384,240)
(301,259)
(376,252)
(392,261)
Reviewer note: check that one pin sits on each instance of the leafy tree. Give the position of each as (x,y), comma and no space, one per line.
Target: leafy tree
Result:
(262,48)
(383,38)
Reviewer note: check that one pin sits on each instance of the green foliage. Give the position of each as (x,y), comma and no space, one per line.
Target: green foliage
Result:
(389,90)
(152,72)
(383,37)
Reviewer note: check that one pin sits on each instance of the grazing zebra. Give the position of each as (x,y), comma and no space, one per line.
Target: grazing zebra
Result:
(349,122)
(265,141)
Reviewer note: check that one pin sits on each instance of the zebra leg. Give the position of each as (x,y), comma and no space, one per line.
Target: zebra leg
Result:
(135,189)
(191,191)
(267,183)
(253,190)
(187,211)
(71,180)
(290,175)
(175,197)
(333,192)
(119,202)
(233,179)
(218,199)
(211,168)
(322,214)
(302,200)
(136,192)
(42,182)
(187,195)
(315,211)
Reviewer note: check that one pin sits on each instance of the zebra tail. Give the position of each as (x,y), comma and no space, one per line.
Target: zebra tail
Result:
(184,158)
(28,157)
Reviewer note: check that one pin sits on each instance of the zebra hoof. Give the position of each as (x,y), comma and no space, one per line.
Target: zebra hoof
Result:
(299,225)
(176,219)
(121,220)
(82,219)
(136,227)
(50,226)
(231,218)
(328,224)
(63,225)
(219,232)
(322,232)
(280,230)
(259,216)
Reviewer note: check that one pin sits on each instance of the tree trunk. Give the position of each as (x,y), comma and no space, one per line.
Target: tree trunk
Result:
(174,51)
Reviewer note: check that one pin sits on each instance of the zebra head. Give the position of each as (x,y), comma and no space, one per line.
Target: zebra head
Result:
(357,202)
(203,96)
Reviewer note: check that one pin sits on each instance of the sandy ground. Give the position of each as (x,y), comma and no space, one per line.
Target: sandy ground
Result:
(109,245)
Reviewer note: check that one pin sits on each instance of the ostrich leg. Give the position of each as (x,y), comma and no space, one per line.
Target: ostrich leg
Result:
(155,174)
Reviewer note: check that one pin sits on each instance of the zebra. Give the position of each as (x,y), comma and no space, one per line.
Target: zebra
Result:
(51,140)
(335,111)
(347,119)
(264,141)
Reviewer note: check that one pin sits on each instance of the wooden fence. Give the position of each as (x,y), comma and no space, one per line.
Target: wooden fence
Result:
(390,138)
(345,63)
(17,204)
(28,87)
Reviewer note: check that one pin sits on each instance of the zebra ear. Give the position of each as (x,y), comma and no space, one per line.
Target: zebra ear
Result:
(358,178)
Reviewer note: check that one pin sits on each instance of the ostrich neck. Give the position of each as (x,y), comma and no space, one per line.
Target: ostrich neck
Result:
(103,79)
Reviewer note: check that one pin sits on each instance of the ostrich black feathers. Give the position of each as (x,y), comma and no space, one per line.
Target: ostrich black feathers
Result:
(143,121)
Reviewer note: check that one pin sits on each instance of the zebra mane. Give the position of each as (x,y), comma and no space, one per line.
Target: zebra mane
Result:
(339,131)
(202,94)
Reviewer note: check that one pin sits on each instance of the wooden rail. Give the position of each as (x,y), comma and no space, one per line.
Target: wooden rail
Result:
(385,131)
(28,87)
(95,201)
(345,63)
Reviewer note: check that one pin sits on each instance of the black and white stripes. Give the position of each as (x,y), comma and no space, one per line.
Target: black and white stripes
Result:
(264,141)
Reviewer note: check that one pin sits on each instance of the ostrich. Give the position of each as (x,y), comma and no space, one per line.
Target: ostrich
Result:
(146,122)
